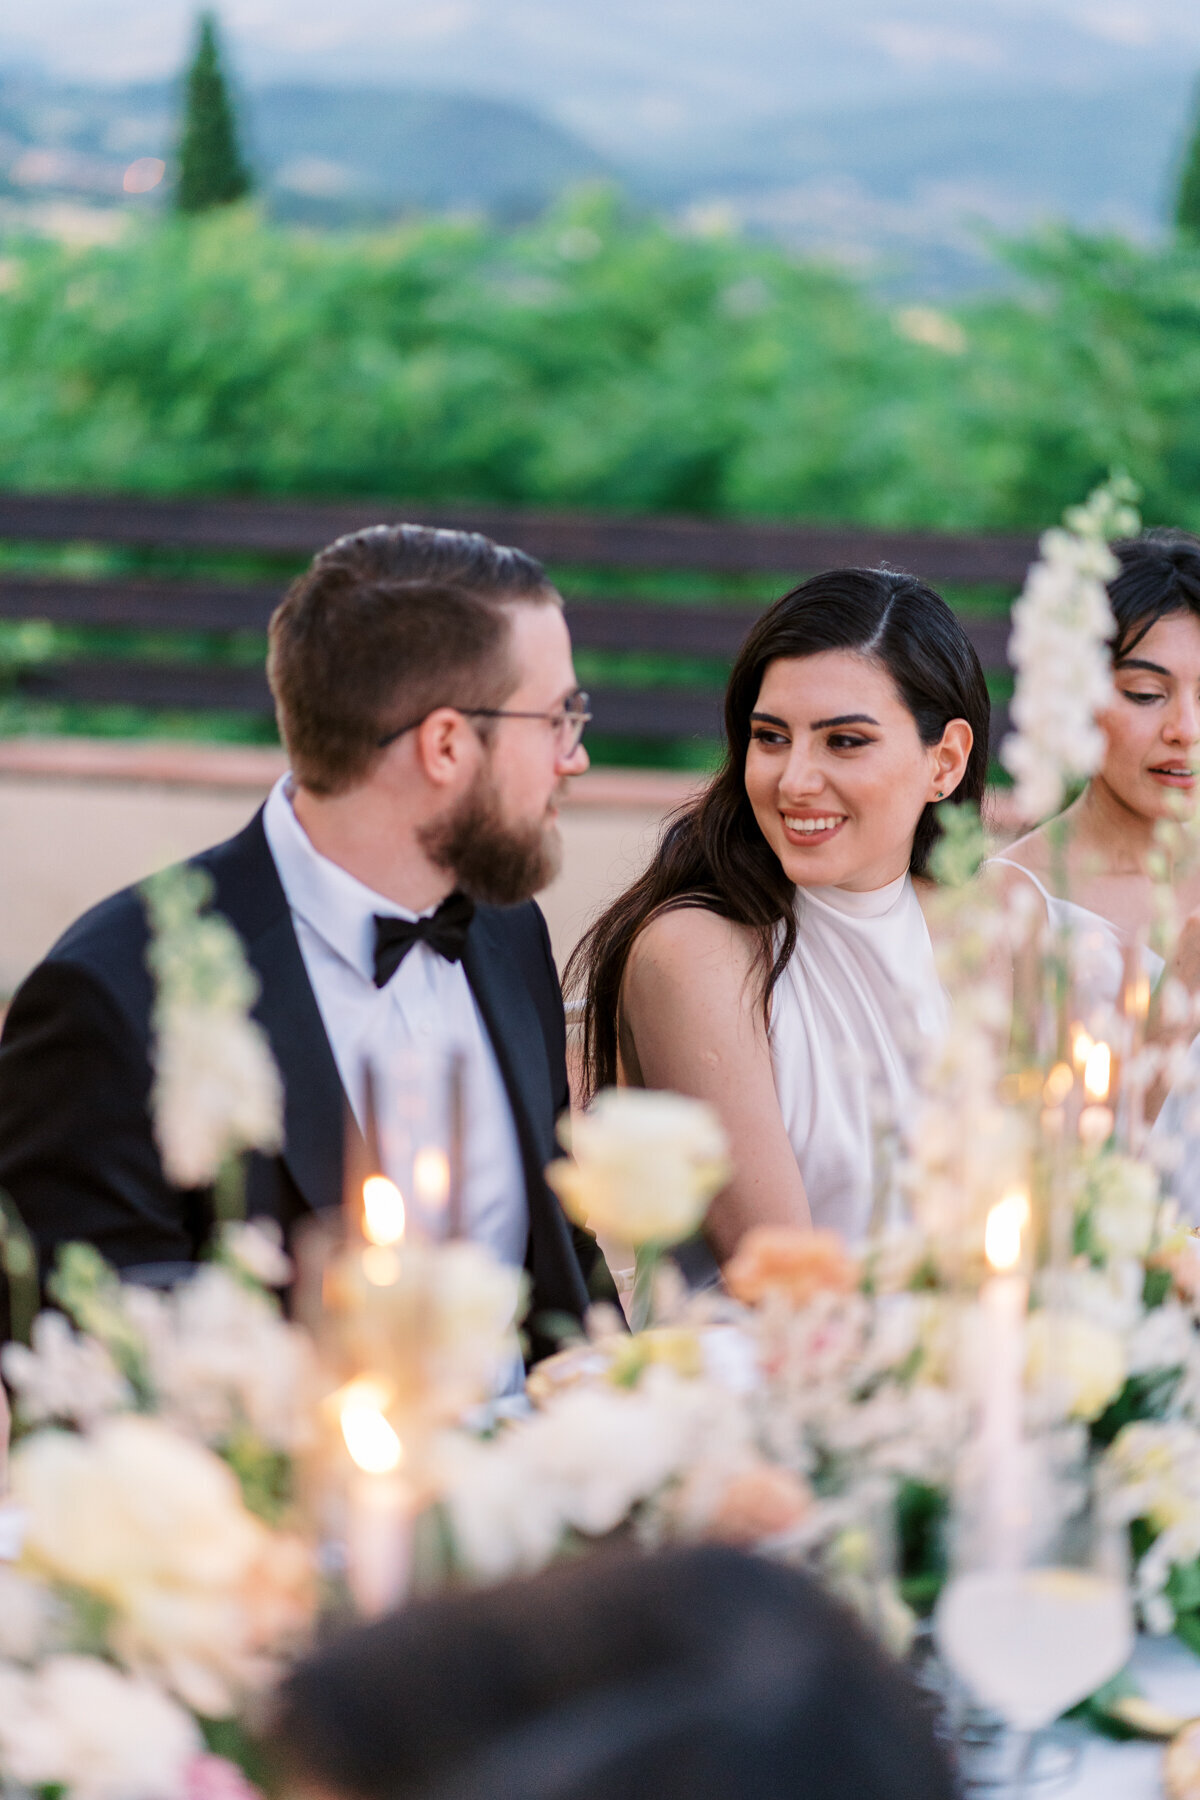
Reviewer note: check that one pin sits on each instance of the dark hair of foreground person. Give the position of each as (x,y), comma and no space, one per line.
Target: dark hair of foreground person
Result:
(695,1674)
(712,851)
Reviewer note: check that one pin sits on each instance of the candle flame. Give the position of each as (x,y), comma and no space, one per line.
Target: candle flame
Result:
(1005,1223)
(383,1210)
(1137,996)
(1059,1083)
(431,1176)
(1081,1046)
(372,1443)
(1097,1071)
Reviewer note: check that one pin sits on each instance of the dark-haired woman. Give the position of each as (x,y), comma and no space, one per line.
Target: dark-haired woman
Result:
(774,958)
(1090,864)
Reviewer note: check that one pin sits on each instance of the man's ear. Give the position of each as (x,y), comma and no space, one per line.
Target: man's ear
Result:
(445,747)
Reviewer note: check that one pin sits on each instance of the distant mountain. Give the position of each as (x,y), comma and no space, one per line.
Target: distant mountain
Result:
(905,187)
(323,155)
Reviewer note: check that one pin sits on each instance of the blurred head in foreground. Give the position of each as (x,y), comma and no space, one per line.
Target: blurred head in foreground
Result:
(698,1674)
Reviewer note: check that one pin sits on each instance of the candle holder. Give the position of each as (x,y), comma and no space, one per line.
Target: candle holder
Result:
(413,1326)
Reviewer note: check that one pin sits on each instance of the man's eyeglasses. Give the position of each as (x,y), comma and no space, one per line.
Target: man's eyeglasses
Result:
(568,721)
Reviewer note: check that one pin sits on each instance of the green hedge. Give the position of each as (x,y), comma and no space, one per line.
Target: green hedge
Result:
(594,359)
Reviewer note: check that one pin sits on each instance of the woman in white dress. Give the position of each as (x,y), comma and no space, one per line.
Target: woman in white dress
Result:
(774,957)
(1090,865)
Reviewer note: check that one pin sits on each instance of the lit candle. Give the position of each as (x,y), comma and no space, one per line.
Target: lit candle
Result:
(1096,1120)
(378,1502)
(1003,1299)
(383,1224)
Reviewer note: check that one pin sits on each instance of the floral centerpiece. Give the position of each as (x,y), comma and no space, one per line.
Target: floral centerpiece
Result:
(157,1577)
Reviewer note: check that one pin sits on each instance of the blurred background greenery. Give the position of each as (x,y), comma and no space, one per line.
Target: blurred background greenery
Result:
(595,354)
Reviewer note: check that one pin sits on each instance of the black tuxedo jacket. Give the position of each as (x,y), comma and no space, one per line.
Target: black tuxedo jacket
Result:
(77,1155)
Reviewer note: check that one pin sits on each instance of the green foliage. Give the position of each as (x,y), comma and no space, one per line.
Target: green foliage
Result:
(597,359)
(1146,1396)
(921,1517)
(88,1290)
(211,170)
(1187,198)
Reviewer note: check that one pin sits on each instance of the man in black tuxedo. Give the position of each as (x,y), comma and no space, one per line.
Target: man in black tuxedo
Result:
(426,695)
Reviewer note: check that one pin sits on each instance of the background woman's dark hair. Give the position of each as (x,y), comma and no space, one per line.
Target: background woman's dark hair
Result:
(1159,577)
(695,1674)
(712,852)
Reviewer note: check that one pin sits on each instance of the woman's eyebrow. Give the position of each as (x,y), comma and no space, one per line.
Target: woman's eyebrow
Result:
(771,719)
(843,719)
(1136,662)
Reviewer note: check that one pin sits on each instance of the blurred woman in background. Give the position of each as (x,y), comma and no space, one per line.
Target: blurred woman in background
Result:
(696,1674)
(774,958)
(1090,866)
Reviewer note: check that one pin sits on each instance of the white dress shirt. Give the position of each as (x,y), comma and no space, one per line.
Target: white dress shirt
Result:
(427,1006)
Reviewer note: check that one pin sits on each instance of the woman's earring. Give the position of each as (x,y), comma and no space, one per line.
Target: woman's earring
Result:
(939,794)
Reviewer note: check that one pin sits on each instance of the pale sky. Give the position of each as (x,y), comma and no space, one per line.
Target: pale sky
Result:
(661,67)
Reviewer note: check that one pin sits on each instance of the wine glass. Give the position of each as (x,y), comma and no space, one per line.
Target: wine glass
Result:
(1035,1621)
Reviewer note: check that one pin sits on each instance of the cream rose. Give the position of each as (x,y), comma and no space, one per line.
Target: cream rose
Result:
(1087,1358)
(154,1524)
(646,1165)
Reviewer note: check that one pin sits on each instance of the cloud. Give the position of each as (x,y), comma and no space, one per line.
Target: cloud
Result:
(927,46)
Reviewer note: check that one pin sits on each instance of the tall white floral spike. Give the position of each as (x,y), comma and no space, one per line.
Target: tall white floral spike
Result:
(1062,624)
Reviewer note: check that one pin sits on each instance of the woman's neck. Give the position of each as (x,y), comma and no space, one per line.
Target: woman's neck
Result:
(1103,829)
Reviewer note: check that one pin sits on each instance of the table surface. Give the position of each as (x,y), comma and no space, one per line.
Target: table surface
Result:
(1166,1673)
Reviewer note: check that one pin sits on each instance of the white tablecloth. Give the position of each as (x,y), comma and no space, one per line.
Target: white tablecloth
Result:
(1167,1674)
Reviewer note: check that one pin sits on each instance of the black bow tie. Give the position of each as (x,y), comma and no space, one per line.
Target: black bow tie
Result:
(445,932)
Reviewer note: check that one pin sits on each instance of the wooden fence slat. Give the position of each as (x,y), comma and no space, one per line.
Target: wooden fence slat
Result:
(299,528)
(114,681)
(714,630)
(139,603)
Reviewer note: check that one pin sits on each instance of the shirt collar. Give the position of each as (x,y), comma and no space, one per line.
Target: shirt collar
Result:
(334,903)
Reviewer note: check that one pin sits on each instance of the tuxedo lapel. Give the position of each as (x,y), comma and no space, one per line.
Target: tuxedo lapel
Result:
(512,1024)
(316,1115)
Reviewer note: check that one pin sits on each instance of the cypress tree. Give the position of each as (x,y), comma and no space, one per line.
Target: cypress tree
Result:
(1187,198)
(211,169)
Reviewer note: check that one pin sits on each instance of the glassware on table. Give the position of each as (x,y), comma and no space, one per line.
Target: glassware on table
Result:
(1033,1632)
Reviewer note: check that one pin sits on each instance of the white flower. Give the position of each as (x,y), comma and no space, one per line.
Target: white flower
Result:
(474,1301)
(220,1357)
(646,1164)
(1123,1198)
(256,1246)
(1088,1360)
(154,1524)
(216,1088)
(1059,647)
(582,1464)
(1157,1466)
(217,1091)
(63,1376)
(1163,1339)
(79,1724)
(27,1616)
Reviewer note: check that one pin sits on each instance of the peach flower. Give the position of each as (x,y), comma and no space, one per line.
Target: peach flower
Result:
(783,1259)
(759,1502)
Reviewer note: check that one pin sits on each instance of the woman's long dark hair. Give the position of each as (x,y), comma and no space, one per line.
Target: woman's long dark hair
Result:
(712,852)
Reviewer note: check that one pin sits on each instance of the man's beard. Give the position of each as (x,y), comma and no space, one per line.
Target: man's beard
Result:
(494,861)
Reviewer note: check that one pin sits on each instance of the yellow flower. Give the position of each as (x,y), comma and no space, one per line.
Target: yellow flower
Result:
(1088,1359)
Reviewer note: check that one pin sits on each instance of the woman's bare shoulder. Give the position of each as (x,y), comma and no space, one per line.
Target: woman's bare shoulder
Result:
(694,942)
(1032,852)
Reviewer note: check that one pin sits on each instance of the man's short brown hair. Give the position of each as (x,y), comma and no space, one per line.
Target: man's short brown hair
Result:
(383,627)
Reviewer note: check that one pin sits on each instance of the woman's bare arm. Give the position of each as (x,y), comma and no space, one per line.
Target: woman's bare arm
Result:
(691,1021)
